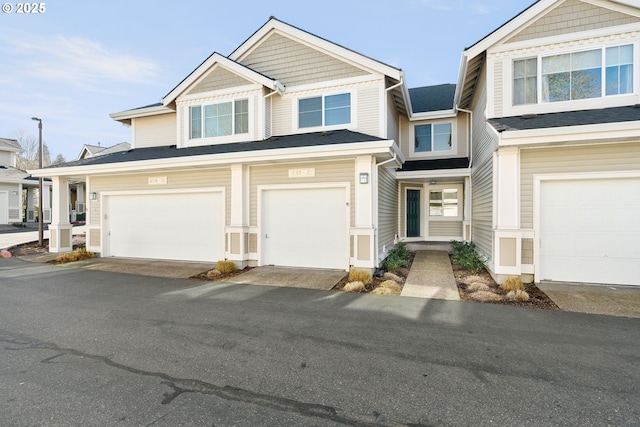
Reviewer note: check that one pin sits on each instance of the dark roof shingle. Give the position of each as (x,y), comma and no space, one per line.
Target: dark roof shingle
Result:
(432,98)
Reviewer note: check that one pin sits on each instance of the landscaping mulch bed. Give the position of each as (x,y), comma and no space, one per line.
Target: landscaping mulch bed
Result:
(464,278)
(401,272)
(223,276)
(34,248)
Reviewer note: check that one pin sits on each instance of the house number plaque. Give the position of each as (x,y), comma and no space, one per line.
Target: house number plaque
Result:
(157,180)
(302,173)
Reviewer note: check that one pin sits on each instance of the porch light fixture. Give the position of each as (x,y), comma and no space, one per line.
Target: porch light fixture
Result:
(364,178)
(93,196)
(40,224)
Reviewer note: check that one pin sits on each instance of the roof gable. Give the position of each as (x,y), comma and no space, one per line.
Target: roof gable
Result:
(216,59)
(575,15)
(218,78)
(340,53)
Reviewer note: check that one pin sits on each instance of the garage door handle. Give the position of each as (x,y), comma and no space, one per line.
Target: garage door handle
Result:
(266,236)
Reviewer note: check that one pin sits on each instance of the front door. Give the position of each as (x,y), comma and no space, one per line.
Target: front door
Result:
(413,213)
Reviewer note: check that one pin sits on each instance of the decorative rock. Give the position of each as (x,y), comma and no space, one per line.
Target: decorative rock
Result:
(5,253)
(212,274)
(391,276)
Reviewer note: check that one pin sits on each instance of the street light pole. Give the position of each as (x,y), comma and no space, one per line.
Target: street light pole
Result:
(40,224)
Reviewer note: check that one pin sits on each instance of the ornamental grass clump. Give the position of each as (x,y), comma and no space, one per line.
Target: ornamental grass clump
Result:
(360,275)
(226,266)
(512,283)
(77,255)
(353,287)
(518,295)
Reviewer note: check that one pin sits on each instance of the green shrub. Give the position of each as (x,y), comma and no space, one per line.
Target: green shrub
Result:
(465,254)
(397,257)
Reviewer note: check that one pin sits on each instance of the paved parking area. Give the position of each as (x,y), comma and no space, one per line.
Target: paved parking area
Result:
(611,300)
(290,277)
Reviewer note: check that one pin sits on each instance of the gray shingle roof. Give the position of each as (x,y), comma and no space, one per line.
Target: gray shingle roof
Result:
(567,118)
(432,98)
(275,142)
(10,143)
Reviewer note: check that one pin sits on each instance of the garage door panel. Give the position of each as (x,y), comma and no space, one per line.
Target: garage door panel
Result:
(305,227)
(152,226)
(590,230)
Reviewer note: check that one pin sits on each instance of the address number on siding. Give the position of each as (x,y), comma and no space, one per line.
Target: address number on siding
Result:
(302,173)
(157,180)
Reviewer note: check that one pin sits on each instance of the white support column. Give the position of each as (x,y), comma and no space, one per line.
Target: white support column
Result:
(46,203)
(466,220)
(31,213)
(60,229)
(363,234)
(237,232)
(507,233)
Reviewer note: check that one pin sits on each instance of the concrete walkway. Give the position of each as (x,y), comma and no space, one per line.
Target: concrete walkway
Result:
(431,276)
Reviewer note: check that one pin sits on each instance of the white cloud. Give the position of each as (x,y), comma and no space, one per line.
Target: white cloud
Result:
(77,61)
(480,7)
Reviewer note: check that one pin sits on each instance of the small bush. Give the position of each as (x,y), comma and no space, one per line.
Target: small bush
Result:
(353,287)
(77,255)
(465,254)
(478,286)
(360,275)
(398,256)
(518,295)
(512,284)
(226,266)
(485,296)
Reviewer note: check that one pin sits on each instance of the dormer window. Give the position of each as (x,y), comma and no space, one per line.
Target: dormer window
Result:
(222,119)
(329,110)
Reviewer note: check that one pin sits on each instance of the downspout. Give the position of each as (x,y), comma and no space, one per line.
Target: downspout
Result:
(470,164)
(395,156)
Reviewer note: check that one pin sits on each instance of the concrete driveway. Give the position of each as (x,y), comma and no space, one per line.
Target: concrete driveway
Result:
(290,277)
(611,300)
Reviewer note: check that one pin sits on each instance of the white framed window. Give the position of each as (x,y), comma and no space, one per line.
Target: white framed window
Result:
(579,75)
(220,119)
(444,202)
(326,110)
(433,137)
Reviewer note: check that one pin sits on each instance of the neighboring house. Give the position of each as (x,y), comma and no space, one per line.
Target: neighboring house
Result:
(96,150)
(13,182)
(296,151)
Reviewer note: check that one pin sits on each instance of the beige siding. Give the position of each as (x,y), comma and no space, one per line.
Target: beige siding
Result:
(570,17)
(527,251)
(294,63)
(445,228)
(404,133)
(175,180)
(6,158)
(268,108)
(393,124)
(590,158)
(154,131)
(484,139)
(219,78)
(330,171)
(282,115)
(368,110)
(482,208)
(387,208)
(462,127)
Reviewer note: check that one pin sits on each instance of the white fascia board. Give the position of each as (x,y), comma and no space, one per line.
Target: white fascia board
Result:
(274,155)
(462,71)
(440,173)
(431,115)
(141,112)
(607,131)
(325,45)
(225,62)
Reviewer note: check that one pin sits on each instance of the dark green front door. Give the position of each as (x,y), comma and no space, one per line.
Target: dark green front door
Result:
(413,213)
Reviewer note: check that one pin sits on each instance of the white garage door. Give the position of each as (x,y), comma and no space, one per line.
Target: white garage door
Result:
(590,231)
(185,226)
(305,228)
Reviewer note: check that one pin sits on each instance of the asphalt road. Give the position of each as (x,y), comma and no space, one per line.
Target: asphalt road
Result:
(94,348)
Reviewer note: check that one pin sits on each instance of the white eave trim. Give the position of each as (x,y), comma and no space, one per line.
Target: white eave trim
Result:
(141,112)
(430,115)
(606,131)
(327,46)
(438,173)
(230,65)
(226,159)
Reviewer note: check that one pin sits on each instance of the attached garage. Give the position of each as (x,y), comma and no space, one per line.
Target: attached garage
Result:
(305,227)
(178,226)
(590,230)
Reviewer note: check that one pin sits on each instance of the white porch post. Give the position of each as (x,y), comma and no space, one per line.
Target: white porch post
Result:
(237,232)
(466,220)
(46,204)
(31,216)
(508,236)
(60,229)
(363,234)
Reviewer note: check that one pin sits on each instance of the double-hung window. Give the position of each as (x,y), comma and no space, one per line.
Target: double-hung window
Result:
(222,119)
(329,110)
(443,202)
(434,137)
(588,74)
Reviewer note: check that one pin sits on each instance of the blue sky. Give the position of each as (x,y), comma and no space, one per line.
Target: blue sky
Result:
(79,61)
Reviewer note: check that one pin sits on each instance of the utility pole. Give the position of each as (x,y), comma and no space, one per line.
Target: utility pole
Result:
(40,223)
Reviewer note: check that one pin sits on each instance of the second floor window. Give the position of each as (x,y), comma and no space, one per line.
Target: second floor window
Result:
(327,110)
(223,119)
(435,137)
(572,76)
